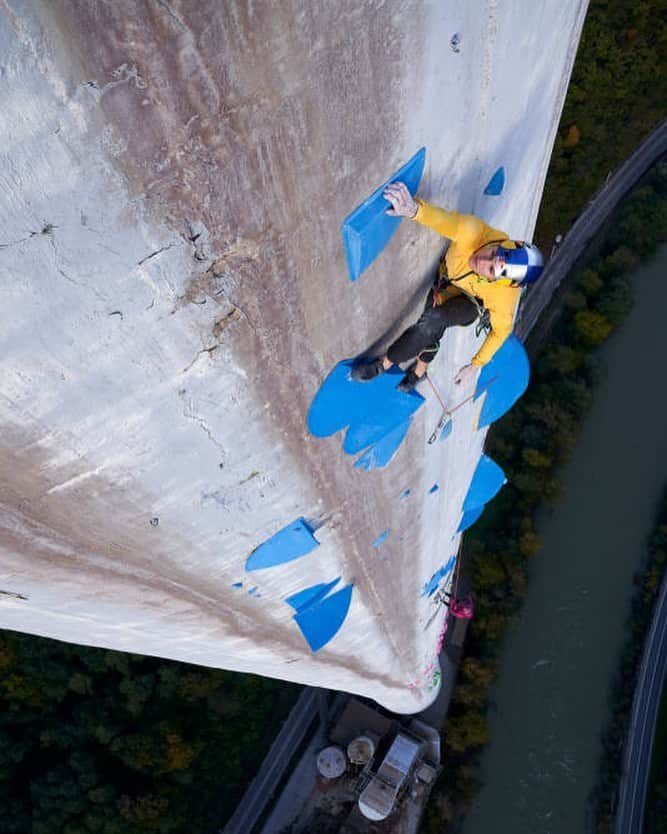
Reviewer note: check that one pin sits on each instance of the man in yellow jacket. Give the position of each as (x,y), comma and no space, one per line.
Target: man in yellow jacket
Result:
(480,277)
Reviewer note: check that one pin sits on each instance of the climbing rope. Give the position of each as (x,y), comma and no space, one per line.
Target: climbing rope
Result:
(435,391)
(457,570)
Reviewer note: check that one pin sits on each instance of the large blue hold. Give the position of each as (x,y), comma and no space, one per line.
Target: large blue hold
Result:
(469,518)
(312,595)
(320,621)
(290,543)
(369,228)
(379,455)
(486,483)
(376,414)
(503,379)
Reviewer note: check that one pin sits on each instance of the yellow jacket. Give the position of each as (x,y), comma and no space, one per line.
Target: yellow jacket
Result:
(469,233)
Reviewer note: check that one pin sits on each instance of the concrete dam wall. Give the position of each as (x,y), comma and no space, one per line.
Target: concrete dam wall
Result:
(175,291)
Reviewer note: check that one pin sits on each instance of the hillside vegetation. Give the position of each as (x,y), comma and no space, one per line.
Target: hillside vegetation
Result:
(617,95)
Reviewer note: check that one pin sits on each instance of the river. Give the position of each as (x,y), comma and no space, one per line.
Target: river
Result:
(549,704)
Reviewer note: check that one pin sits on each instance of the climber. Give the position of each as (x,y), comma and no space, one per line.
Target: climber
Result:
(480,277)
(462,609)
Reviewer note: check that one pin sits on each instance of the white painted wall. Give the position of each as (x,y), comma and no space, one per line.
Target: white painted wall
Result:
(131,391)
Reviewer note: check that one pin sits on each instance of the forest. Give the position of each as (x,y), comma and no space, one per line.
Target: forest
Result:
(616,96)
(101,741)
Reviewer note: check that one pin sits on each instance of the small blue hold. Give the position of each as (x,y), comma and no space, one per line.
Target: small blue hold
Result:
(433,489)
(496,183)
(447,430)
(405,494)
(381,538)
(237,584)
(432,585)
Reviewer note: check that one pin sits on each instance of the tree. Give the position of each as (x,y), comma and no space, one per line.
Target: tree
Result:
(616,301)
(590,282)
(536,459)
(466,731)
(593,327)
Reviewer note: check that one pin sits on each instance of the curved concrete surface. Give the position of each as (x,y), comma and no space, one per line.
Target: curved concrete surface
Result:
(174,176)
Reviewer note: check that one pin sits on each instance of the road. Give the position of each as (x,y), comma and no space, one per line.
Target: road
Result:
(587,225)
(260,790)
(639,743)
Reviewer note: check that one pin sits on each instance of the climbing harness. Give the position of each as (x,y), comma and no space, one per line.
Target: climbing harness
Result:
(483,315)
(462,609)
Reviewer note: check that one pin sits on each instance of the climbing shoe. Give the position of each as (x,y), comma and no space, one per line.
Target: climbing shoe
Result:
(409,381)
(364,371)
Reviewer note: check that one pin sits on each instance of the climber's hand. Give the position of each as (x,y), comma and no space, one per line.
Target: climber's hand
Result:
(402,204)
(465,375)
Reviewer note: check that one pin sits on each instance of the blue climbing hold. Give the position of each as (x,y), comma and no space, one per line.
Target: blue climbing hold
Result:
(290,543)
(486,483)
(469,518)
(309,596)
(379,454)
(381,538)
(496,183)
(503,379)
(377,415)
(320,621)
(432,585)
(369,228)
(447,430)
(433,489)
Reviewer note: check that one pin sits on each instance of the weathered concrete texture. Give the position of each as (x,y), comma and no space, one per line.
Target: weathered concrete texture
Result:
(173,179)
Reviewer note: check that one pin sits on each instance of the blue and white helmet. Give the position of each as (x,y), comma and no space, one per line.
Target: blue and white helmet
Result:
(523,264)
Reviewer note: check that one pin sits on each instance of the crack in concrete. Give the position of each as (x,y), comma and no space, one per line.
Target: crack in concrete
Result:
(198,236)
(79,284)
(189,412)
(236,308)
(13,595)
(14,242)
(172,14)
(208,350)
(223,323)
(123,74)
(47,229)
(154,254)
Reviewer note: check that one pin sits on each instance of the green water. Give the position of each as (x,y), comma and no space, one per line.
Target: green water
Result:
(558,660)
